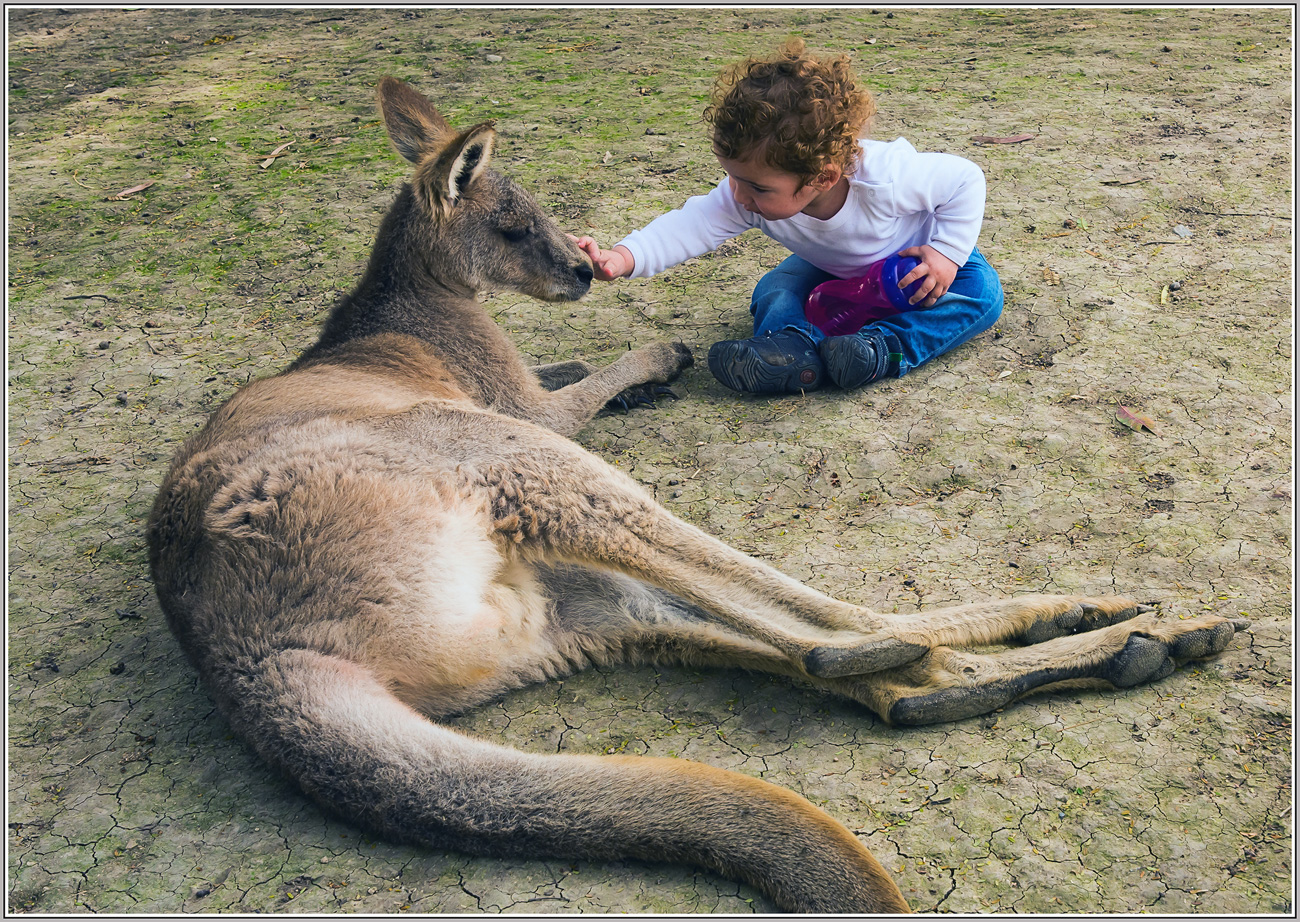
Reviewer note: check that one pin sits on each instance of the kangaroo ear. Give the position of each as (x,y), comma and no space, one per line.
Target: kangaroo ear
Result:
(414,125)
(443,180)
(473,153)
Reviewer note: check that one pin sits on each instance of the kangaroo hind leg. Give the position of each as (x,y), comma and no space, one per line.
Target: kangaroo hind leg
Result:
(949,684)
(1028,619)
(612,618)
(567,504)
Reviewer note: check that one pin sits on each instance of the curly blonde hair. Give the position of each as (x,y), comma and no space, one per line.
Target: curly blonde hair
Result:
(793,111)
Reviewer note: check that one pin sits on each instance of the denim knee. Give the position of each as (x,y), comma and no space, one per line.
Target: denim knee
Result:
(779,296)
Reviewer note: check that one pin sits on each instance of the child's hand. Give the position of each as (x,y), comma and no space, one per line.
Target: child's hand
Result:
(608,264)
(937,270)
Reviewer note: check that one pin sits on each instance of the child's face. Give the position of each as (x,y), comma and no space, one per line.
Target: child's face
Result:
(770,193)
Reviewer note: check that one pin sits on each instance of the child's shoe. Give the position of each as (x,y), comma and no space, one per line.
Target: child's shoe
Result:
(785,362)
(857,359)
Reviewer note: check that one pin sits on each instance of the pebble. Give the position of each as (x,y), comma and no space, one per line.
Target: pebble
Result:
(494,59)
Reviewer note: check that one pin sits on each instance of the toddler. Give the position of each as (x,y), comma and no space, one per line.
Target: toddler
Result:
(787,130)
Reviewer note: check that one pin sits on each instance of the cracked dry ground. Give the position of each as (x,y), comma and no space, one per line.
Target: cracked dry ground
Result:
(1143,235)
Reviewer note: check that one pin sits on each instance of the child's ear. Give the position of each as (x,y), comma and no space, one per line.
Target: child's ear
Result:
(829,176)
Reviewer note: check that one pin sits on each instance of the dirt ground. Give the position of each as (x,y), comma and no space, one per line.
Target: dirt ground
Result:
(1144,237)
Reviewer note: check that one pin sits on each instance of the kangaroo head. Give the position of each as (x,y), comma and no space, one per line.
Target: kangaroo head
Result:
(477,228)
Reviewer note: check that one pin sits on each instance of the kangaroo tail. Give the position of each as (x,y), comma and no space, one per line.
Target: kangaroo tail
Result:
(362,754)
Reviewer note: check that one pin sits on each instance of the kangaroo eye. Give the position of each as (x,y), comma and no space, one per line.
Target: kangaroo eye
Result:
(516,234)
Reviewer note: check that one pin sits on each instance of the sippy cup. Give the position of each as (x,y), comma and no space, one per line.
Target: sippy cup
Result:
(843,306)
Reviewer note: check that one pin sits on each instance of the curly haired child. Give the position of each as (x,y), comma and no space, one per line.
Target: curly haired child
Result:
(788,131)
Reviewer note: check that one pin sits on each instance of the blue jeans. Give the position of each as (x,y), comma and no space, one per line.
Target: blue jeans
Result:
(971,306)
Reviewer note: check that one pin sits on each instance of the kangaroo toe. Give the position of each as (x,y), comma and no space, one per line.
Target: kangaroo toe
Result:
(1202,642)
(1099,613)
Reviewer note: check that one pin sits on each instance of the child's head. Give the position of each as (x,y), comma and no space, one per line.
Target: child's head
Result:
(793,112)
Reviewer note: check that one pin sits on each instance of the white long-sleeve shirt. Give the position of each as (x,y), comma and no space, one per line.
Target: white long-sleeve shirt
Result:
(897,198)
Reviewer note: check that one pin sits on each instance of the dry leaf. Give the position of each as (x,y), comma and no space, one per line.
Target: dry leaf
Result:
(270,158)
(1135,421)
(1013,139)
(134,189)
(1164,295)
(1051,277)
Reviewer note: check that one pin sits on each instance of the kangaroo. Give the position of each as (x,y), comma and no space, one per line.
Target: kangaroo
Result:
(395,528)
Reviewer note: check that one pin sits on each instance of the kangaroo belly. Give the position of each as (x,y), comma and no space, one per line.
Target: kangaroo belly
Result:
(361,548)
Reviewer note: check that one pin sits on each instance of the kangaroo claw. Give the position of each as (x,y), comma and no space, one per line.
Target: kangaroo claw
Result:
(643,395)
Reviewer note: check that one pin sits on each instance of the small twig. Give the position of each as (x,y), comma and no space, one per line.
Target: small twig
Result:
(88,297)
(1239,214)
(78,181)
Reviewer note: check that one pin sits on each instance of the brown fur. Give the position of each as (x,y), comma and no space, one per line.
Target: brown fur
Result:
(395,528)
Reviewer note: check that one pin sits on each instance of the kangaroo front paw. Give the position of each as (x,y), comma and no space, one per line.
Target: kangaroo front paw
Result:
(643,395)
(678,358)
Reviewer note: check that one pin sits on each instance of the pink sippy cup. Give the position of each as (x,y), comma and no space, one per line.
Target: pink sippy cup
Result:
(843,306)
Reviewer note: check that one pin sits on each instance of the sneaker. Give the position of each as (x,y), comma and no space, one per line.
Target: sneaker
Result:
(857,359)
(784,362)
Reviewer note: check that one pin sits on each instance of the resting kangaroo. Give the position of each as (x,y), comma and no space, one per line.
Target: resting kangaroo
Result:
(395,528)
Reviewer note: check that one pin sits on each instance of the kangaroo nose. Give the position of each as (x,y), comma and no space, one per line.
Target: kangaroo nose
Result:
(584,273)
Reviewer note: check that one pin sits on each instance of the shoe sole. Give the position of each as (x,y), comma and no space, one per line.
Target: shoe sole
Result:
(742,370)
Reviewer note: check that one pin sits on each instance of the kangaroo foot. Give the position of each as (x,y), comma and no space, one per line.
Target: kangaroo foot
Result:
(952,684)
(1082,615)
(1148,659)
